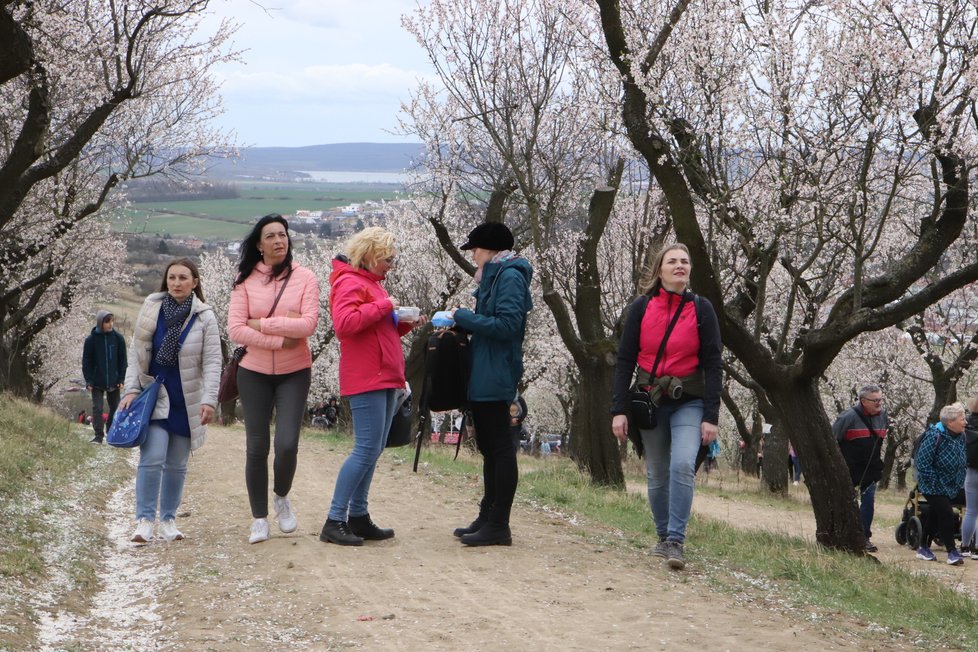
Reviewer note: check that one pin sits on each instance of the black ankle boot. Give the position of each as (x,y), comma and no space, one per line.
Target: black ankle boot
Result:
(364,527)
(490,534)
(339,532)
(472,528)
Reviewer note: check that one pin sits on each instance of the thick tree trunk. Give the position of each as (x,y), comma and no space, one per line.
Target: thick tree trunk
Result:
(229,412)
(901,478)
(889,462)
(826,477)
(583,332)
(15,374)
(592,445)
(775,472)
(749,461)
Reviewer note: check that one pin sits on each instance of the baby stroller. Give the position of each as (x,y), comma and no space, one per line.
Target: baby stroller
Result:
(910,531)
(325,418)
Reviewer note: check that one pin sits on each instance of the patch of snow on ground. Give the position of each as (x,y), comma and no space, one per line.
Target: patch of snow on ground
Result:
(124,614)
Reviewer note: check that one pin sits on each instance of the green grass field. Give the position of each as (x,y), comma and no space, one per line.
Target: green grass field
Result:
(164,224)
(224,218)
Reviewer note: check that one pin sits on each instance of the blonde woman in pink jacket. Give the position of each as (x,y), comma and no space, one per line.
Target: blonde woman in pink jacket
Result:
(274,309)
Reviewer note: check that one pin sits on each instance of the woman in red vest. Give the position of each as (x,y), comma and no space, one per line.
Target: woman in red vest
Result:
(673,338)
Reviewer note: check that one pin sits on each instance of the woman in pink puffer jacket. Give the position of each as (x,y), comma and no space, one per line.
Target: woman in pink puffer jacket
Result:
(274,308)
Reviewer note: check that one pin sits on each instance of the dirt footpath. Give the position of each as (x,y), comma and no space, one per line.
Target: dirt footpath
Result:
(563,585)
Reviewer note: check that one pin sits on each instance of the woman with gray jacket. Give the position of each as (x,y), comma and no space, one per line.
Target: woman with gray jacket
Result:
(176,339)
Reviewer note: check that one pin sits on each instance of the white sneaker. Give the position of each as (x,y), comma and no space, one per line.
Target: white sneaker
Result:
(169,531)
(284,514)
(143,533)
(259,531)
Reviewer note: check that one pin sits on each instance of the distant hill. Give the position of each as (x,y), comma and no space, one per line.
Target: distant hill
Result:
(356,157)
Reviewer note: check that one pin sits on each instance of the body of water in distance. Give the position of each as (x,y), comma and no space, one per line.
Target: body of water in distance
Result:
(343,176)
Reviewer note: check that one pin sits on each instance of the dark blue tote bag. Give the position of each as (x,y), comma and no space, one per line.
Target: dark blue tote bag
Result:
(130,425)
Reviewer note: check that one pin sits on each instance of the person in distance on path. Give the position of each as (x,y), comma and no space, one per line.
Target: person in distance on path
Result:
(104,367)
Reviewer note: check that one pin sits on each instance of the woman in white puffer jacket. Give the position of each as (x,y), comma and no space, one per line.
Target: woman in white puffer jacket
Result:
(191,373)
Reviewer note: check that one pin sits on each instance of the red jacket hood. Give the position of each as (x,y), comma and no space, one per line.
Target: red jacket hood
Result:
(341,267)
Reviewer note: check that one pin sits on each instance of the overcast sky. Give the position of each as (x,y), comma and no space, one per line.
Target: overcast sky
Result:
(318,71)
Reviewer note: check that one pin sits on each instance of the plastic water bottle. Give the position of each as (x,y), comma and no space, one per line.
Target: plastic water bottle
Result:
(408,313)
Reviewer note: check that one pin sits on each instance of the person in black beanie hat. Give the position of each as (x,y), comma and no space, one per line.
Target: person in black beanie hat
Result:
(498,325)
(491,236)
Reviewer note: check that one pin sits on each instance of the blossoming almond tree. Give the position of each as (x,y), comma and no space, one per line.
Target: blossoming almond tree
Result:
(91,93)
(524,119)
(817,159)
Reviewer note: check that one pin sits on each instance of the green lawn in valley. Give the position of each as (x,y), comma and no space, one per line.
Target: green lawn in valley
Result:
(163,224)
(261,199)
(224,218)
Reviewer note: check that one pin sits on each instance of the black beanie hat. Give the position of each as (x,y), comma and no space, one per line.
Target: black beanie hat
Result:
(494,236)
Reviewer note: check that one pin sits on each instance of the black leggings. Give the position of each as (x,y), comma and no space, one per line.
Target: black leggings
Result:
(941,520)
(499,470)
(260,393)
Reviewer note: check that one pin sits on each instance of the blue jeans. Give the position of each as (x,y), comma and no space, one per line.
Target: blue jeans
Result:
(670,461)
(867,505)
(372,415)
(970,508)
(795,468)
(161,472)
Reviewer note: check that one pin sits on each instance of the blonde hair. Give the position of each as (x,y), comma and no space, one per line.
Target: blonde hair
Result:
(972,404)
(368,247)
(650,275)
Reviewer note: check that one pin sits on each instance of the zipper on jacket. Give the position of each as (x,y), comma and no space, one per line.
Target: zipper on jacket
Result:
(106,349)
(669,315)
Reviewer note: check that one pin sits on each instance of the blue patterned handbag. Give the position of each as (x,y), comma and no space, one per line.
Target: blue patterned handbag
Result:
(130,425)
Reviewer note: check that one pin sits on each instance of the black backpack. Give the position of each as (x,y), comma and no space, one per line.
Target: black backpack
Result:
(916,447)
(400,430)
(447,364)
(971,448)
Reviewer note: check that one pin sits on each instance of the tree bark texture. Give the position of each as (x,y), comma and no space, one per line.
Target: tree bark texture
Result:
(592,445)
(826,476)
